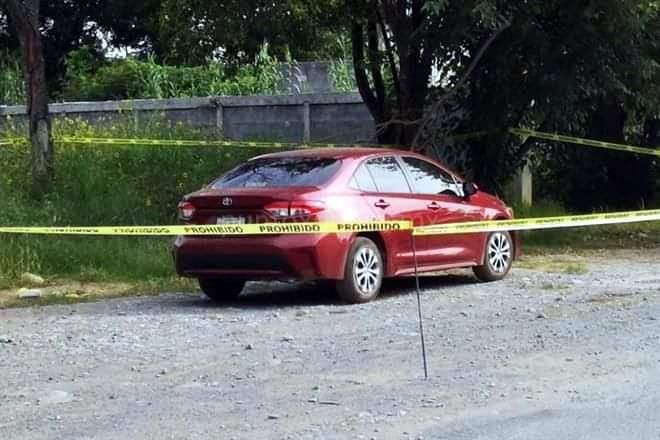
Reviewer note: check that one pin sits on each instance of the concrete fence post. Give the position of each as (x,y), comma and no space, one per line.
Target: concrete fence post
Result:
(524,185)
(520,190)
(219,117)
(307,135)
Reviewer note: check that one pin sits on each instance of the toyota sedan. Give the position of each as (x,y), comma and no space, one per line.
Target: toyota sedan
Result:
(335,186)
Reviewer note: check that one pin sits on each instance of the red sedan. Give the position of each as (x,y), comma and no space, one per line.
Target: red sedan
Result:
(339,185)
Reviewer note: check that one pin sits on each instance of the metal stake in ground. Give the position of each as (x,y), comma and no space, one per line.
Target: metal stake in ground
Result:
(419,307)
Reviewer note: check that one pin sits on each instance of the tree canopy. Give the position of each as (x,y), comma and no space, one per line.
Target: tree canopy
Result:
(582,67)
(426,69)
(183,32)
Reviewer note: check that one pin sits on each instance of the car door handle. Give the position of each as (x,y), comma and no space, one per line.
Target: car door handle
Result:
(434,206)
(382,204)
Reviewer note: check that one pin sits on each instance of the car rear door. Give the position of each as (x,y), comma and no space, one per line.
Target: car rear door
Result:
(442,197)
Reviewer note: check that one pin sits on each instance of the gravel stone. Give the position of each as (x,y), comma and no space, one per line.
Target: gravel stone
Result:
(54,397)
(29,293)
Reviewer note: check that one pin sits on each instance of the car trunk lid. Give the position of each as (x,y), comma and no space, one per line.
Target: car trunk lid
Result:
(246,205)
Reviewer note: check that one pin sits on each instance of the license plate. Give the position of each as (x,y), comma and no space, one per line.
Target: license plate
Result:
(231,220)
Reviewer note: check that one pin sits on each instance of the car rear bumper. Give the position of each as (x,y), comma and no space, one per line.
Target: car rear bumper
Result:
(304,257)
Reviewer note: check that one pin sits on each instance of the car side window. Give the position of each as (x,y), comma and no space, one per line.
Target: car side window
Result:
(388,175)
(428,178)
(363,181)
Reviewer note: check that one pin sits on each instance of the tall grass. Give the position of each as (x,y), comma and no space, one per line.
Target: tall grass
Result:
(341,69)
(12,88)
(636,235)
(103,185)
(131,78)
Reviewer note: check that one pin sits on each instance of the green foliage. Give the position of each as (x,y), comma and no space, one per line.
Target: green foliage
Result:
(12,87)
(637,235)
(584,68)
(234,30)
(101,185)
(341,68)
(183,32)
(131,78)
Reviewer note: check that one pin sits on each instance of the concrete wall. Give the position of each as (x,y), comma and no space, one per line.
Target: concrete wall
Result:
(326,118)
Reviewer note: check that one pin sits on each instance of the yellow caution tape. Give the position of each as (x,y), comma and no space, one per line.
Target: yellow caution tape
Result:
(541,223)
(186,143)
(279,145)
(571,221)
(12,141)
(200,143)
(172,142)
(476,134)
(581,141)
(247,229)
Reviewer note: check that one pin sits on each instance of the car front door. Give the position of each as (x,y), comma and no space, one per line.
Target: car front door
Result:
(389,193)
(443,201)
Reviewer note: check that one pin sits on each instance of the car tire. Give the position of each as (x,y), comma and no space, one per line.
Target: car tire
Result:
(221,290)
(498,257)
(363,274)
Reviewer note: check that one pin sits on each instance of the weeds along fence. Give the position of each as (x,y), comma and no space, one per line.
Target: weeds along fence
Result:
(97,184)
(139,184)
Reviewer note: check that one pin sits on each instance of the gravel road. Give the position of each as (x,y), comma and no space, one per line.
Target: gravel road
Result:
(544,354)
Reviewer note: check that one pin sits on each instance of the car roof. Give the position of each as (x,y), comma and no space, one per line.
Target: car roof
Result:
(332,153)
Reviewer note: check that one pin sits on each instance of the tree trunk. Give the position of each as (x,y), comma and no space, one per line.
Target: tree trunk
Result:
(24,17)
(652,132)
(397,116)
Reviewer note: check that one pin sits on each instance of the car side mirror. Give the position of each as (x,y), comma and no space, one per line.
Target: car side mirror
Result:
(469,189)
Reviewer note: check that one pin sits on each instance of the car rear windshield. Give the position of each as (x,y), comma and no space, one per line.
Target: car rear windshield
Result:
(280,172)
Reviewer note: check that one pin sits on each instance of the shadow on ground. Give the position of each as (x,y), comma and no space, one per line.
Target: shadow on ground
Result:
(277,295)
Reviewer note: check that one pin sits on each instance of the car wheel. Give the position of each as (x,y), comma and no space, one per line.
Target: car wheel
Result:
(221,289)
(363,275)
(498,257)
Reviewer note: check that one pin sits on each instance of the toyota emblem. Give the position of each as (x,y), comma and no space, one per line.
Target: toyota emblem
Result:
(227,201)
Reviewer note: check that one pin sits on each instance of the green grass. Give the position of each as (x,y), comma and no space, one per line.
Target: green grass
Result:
(88,259)
(12,88)
(103,185)
(554,264)
(634,235)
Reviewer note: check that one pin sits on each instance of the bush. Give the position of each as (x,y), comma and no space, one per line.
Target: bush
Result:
(131,78)
(585,178)
(12,88)
(341,69)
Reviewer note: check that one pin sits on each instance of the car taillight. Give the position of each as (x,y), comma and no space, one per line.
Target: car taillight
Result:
(303,208)
(278,209)
(186,210)
(306,208)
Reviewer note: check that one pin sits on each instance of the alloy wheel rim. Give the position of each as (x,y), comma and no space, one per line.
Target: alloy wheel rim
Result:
(366,270)
(499,252)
